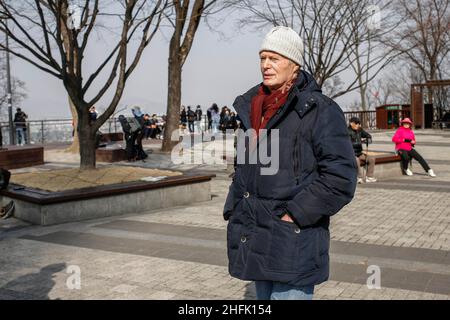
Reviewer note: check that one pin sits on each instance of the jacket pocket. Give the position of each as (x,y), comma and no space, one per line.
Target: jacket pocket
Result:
(293,250)
(283,245)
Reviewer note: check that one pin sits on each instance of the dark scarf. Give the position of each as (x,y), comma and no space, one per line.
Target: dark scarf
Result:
(265,104)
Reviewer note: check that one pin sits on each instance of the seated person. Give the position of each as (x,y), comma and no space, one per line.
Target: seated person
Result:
(405,141)
(357,133)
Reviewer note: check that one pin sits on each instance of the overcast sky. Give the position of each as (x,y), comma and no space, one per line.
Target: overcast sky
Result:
(217,70)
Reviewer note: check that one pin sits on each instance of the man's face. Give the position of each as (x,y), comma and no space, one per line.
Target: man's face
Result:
(355,126)
(276,69)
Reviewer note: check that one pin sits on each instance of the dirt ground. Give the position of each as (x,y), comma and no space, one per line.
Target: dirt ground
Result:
(69,179)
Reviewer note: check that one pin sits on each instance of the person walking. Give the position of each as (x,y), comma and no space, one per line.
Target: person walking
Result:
(405,142)
(277,232)
(20,123)
(357,134)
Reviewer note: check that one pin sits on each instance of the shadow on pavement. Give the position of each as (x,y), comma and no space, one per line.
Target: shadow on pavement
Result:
(33,286)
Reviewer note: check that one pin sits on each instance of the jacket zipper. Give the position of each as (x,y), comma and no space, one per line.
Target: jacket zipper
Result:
(296,160)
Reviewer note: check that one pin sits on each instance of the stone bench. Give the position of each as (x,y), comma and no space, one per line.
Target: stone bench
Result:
(46,208)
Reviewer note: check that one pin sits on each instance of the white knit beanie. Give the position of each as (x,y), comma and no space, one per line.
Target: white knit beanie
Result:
(284,41)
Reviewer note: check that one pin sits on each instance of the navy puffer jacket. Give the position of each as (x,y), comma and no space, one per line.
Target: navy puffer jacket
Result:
(316,177)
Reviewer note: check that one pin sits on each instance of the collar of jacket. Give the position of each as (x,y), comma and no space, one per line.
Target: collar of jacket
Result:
(301,98)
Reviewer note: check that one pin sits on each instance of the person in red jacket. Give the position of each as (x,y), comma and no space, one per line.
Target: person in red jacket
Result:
(405,141)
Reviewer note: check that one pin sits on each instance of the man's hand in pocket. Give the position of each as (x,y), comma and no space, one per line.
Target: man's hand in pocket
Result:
(287,218)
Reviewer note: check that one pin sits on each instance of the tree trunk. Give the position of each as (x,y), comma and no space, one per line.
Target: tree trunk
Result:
(87,143)
(173,98)
(75,146)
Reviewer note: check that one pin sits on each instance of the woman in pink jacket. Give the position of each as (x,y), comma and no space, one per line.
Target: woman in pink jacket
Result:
(405,140)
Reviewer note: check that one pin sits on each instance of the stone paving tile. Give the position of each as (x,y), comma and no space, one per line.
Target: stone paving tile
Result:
(348,271)
(112,277)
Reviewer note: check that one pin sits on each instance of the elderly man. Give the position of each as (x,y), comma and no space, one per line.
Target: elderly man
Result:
(278,224)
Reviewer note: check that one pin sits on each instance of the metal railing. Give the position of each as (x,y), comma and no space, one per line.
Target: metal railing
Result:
(61,130)
(53,131)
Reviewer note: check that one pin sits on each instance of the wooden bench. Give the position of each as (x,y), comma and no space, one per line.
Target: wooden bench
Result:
(16,157)
(114,153)
(387,164)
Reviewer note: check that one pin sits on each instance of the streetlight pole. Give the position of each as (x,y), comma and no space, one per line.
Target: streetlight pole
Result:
(8,89)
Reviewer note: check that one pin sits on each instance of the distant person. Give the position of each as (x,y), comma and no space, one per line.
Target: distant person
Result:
(154,130)
(405,142)
(191,118)
(20,123)
(183,118)
(225,121)
(209,117)
(137,113)
(223,112)
(215,118)
(198,119)
(93,114)
(357,134)
(130,137)
(146,125)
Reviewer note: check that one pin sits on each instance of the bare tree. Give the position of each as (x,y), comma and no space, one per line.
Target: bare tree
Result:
(185,19)
(335,36)
(18,89)
(53,36)
(423,38)
(368,56)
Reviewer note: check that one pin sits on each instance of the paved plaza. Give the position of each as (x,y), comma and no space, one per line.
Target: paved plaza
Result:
(399,224)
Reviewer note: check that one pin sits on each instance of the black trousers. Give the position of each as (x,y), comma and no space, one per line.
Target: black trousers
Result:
(191,126)
(413,154)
